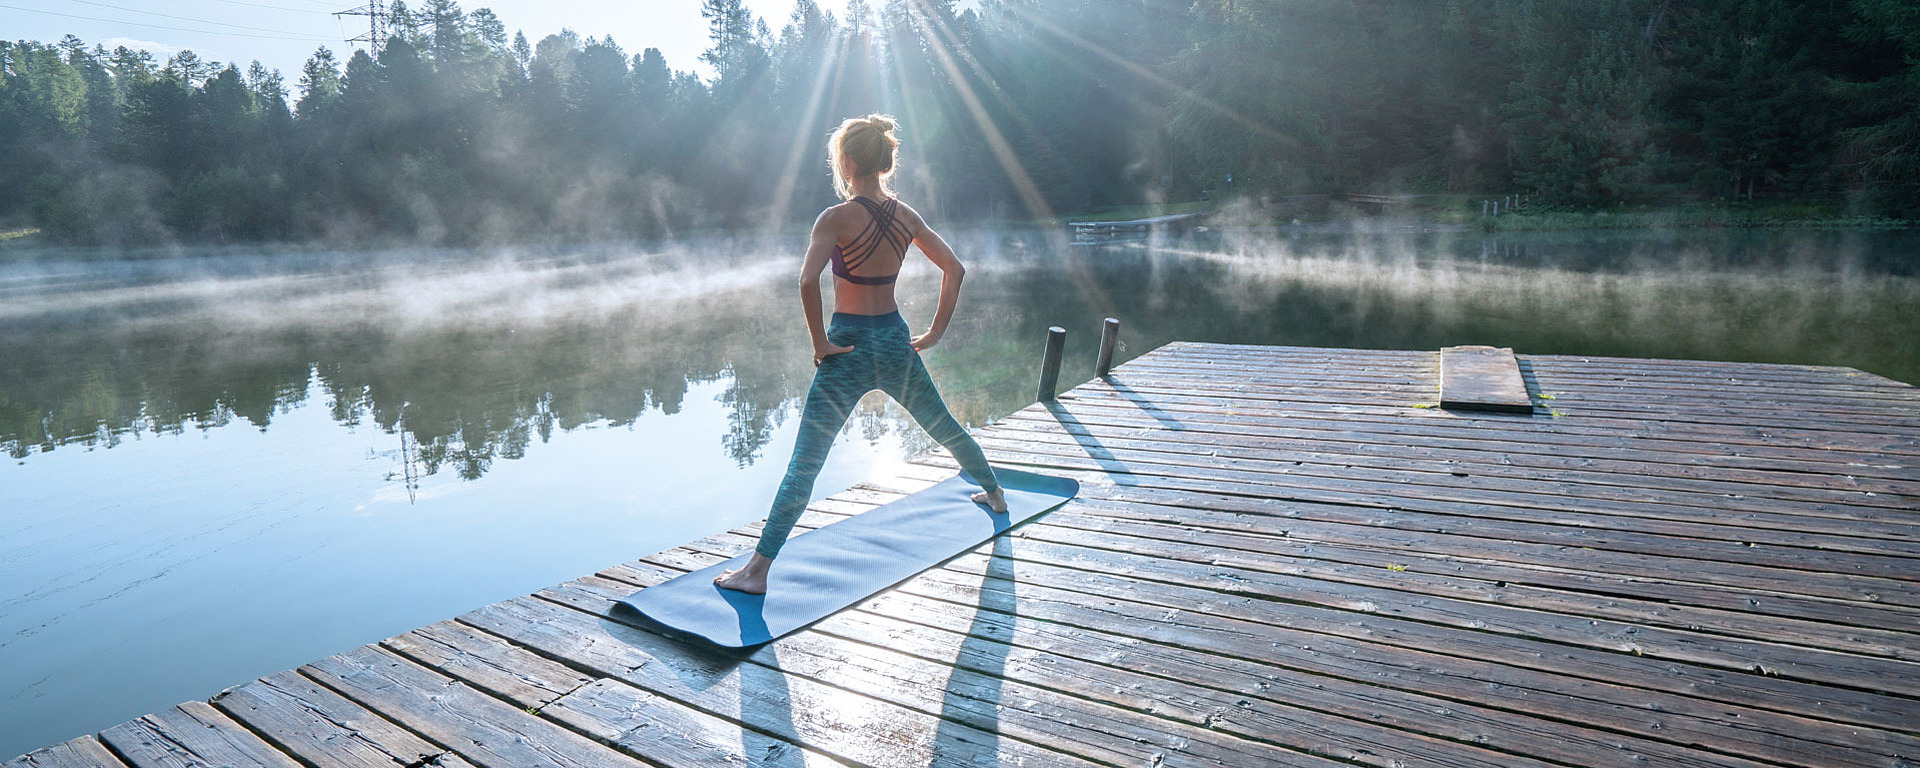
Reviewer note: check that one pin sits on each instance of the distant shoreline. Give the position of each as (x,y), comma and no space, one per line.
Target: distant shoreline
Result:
(1421,214)
(1462,213)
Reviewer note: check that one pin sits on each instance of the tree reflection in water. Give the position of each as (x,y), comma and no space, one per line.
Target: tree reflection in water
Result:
(475,361)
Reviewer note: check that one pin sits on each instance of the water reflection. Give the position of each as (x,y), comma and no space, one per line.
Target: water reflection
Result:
(473,363)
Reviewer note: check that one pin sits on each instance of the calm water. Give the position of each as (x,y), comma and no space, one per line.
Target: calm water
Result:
(224,463)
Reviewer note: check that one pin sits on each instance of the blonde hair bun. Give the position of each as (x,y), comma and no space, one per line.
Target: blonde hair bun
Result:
(860,147)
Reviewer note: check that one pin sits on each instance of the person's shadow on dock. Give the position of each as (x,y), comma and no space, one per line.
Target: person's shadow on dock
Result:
(763,699)
(771,710)
(984,652)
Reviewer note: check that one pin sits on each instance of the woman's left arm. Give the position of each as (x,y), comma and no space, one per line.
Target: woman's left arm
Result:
(951,273)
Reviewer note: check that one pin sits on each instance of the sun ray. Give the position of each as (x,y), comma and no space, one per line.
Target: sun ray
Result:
(817,96)
(931,201)
(1149,75)
(996,141)
(1079,269)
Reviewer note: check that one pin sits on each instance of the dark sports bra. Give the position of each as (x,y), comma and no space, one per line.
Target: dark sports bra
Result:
(882,228)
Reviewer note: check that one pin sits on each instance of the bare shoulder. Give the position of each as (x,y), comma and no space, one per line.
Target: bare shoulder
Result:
(835,219)
(910,217)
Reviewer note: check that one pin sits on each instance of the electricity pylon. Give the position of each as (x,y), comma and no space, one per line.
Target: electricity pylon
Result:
(376,25)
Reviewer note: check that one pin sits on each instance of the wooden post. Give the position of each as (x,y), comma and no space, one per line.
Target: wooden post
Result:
(1109,338)
(1050,362)
(1496,209)
(1483,209)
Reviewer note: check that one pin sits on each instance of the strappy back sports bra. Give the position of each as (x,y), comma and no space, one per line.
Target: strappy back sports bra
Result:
(882,228)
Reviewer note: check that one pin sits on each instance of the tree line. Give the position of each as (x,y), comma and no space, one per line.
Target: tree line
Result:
(458,132)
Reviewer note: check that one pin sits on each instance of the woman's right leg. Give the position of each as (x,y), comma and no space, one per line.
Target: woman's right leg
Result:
(838,385)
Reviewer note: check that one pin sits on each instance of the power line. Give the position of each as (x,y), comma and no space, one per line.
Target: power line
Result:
(270,7)
(186,18)
(163,26)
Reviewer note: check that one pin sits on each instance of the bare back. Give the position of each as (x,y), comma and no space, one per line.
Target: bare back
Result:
(870,242)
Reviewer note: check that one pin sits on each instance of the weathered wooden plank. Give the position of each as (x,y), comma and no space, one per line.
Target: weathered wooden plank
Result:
(1249,574)
(83,752)
(1315,383)
(1518,564)
(1885,515)
(528,681)
(1340,363)
(1376,357)
(1760,375)
(1255,663)
(1555,380)
(1171,405)
(1174,619)
(191,734)
(1469,581)
(994,699)
(847,725)
(1846,599)
(321,728)
(1729,423)
(1704,456)
(1481,378)
(1789,495)
(1724,419)
(1199,687)
(672,734)
(483,729)
(654,728)
(1375,487)
(1659,439)
(1682,581)
(1812,699)
(1730,561)
(1627,464)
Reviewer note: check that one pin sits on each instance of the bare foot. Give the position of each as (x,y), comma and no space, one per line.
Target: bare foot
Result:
(995,500)
(751,579)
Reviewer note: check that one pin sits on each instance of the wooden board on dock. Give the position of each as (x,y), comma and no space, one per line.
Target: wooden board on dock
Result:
(1280,556)
(1478,378)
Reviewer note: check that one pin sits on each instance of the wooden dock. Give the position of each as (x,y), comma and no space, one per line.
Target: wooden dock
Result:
(1281,556)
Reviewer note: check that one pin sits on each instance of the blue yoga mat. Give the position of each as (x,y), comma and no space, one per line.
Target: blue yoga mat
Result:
(835,566)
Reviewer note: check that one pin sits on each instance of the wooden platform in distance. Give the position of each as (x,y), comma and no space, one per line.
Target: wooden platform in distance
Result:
(1280,556)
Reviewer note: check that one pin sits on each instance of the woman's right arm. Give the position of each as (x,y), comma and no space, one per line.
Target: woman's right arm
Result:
(819,248)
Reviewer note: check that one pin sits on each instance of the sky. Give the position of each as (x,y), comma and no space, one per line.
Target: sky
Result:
(282,33)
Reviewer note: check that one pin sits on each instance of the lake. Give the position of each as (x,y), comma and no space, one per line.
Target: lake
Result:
(225,462)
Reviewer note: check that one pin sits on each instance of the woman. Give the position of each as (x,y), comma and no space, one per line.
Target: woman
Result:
(867,348)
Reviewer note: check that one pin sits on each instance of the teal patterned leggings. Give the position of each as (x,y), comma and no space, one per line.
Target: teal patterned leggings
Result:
(883,359)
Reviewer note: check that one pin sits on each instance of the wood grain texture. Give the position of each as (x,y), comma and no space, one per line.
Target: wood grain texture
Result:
(191,735)
(83,752)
